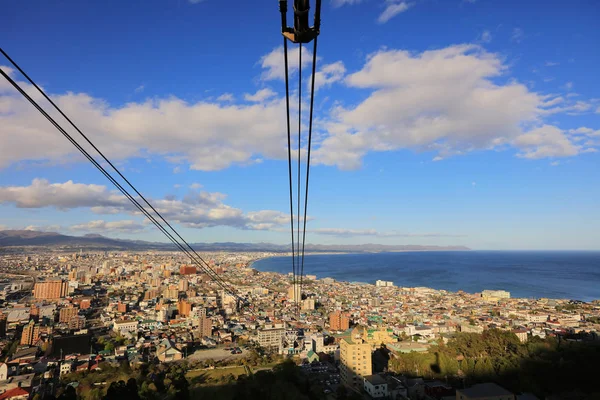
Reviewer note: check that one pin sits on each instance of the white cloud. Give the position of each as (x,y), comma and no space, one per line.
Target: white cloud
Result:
(124,226)
(517,35)
(339,3)
(598,110)
(329,74)
(393,8)
(550,64)
(194,210)
(260,96)
(139,89)
(273,63)
(444,101)
(372,232)
(226,97)
(485,37)
(177,185)
(207,136)
(195,185)
(546,141)
(568,85)
(555,163)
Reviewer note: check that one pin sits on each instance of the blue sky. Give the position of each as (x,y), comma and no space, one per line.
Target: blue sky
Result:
(436,122)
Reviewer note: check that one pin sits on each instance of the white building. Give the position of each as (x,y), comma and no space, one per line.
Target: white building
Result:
(380,283)
(122,327)
(270,338)
(495,294)
(376,386)
(66,368)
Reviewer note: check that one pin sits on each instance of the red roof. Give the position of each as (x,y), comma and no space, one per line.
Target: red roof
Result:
(9,394)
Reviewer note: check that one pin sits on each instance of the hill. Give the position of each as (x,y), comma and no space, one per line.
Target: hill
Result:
(18,238)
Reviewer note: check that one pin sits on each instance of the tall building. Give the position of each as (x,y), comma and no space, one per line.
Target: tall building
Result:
(184,308)
(355,361)
(183,285)
(205,327)
(66,314)
(122,307)
(51,290)
(187,270)
(77,322)
(339,321)
(294,293)
(31,333)
(271,338)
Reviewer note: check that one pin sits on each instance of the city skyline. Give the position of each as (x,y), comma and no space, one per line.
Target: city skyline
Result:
(482,132)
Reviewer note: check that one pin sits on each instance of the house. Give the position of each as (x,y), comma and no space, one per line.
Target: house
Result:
(122,327)
(312,356)
(166,352)
(484,391)
(375,386)
(66,368)
(15,394)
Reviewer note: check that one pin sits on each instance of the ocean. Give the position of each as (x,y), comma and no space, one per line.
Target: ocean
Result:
(531,274)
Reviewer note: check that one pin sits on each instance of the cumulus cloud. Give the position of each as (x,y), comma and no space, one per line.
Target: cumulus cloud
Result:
(340,232)
(207,136)
(260,96)
(226,97)
(392,8)
(329,74)
(273,64)
(124,226)
(444,101)
(195,209)
(546,141)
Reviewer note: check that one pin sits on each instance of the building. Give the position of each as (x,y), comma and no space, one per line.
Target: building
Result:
(77,322)
(205,327)
(376,386)
(51,290)
(521,334)
(270,338)
(31,333)
(294,293)
(183,285)
(122,307)
(379,283)
(85,304)
(187,270)
(355,361)
(339,321)
(125,326)
(484,391)
(308,304)
(495,294)
(66,368)
(166,352)
(65,314)
(184,308)
(198,312)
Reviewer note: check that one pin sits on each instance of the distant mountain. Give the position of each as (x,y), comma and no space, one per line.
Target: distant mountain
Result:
(13,238)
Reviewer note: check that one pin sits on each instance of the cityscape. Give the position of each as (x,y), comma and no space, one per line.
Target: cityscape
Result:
(68,315)
(299,200)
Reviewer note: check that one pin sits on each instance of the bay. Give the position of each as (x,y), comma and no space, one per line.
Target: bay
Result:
(526,274)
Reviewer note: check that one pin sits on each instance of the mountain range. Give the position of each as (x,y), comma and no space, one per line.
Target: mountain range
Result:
(18,238)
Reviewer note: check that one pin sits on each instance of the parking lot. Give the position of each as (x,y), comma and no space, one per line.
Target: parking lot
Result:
(217,354)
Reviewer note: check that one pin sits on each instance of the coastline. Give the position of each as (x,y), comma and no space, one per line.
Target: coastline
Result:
(532,291)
